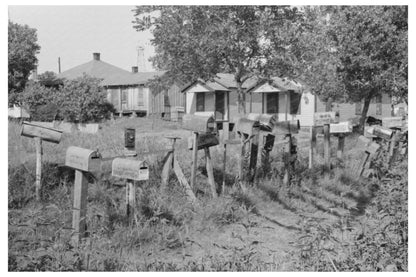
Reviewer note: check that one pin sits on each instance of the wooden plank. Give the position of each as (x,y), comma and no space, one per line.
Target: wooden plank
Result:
(194,159)
(224,168)
(165,171)
(341,144)
(327,147)
(288,146)
(80,206)
(38,180)
(241,159)
(47,134)
(210,173)
(130,201)
(182,180)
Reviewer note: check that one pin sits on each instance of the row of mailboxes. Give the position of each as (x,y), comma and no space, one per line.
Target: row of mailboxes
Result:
(251,127)
(87,160)
(198,123)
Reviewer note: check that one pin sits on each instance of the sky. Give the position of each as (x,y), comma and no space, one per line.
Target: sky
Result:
(73,33)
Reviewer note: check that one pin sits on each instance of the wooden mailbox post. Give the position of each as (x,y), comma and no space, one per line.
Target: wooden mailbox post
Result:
(340,130)
(266,142)
(370,153)
(287,129)
(204,136)
(325,119)
(248,131)
(40,133)
(82,160)
(131,170)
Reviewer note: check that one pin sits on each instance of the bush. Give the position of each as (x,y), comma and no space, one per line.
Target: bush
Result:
(83,100)
(40,102)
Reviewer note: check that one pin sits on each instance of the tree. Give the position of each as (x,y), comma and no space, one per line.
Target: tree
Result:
(353,53)
(50,79)
(200,41)
(22,50)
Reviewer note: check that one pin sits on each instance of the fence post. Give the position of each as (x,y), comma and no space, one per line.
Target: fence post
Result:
(194,159)
(80,206)
(39,153)
(327,147)
(312,147)
(341,144)
(210,172)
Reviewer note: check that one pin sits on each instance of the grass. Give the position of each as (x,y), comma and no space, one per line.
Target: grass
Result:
(269,227)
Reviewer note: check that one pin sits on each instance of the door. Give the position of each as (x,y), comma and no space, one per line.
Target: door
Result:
(219,105)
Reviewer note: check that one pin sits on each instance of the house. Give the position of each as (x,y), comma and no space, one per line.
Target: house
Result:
(288,99)
(217,97)
(127,91)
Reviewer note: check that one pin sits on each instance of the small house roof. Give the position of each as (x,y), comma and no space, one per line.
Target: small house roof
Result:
(281,84)
(111,75)
(222,82)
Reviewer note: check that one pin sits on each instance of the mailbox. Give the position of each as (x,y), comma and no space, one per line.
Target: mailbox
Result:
(247,127)
(130,138)
(253,116)
(321,119)
(198,123)
(47,134)
(130,169)
(339,128)
(380,132)
(205,140)
(83,159)
(393,122)
(267,121)
(286,127)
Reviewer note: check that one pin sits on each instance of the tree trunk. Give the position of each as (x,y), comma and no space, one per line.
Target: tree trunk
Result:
(367,101)
(241,99)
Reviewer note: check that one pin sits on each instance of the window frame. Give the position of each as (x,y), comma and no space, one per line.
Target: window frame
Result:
(200,96)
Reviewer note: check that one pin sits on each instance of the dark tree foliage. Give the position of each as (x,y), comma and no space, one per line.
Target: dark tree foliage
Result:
(22,50)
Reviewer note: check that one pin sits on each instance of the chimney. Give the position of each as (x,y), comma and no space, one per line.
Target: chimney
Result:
(134,69)
(96,56)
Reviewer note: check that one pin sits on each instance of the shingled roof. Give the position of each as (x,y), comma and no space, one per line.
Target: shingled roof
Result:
(110,74)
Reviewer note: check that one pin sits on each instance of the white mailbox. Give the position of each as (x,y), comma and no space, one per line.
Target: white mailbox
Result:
(130,169)
(342,127)
(83,159)
(323,118)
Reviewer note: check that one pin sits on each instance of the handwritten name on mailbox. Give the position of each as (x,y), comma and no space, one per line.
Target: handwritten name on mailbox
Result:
(130,169)
(82,159)
(321,119)
(47,134)
(342,127)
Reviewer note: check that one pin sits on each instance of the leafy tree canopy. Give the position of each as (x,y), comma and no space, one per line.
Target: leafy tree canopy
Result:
(200,41)
(22,50)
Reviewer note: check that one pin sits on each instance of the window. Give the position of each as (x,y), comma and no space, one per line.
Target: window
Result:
(140,97)
(379,105)
(358,108)
(295,103)
(124,96)
(200,102)
(272,101)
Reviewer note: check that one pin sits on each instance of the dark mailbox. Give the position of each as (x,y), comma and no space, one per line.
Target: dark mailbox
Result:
(286,127)
(130,138)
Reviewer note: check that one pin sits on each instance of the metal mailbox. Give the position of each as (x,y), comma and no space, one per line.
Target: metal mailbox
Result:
(393,122)
(247,126)
(47,134)
(253,116)
(198,123)
(286,127)
(205,140)
(130,138)
(130,169)
(267,121)
(380,132)
(323,118)
(342,127)
(83,159)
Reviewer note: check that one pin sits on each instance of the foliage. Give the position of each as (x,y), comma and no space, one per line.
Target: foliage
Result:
(200,41)
(50,79)
(40,101)
(353,53)
(78,100)
(83,100)
(22,50)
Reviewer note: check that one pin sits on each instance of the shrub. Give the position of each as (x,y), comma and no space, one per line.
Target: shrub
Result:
(83,100)
(40,101)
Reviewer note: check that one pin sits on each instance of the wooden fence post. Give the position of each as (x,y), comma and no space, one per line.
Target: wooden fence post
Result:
(39,153)
(194,159)
(312,147)
(341,144)
(224,167)
(288,156)
(327,147)
(80,206)
(130,201)
(210,173)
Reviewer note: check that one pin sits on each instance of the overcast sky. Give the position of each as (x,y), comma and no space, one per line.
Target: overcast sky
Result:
(75,32)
